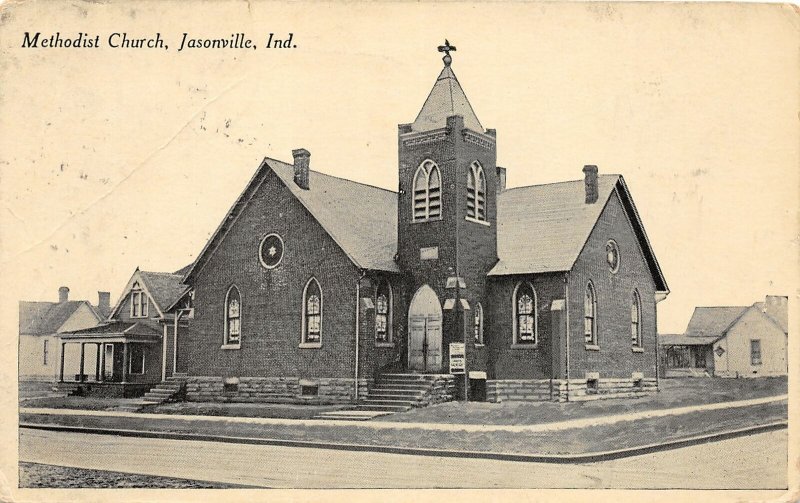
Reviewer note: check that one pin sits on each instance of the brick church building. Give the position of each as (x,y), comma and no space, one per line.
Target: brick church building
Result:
(315,287)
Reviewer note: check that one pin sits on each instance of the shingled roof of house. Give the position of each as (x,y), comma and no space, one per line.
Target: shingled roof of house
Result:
(362,220)
(45,318)
(776,307)
(713,321)
(166,288)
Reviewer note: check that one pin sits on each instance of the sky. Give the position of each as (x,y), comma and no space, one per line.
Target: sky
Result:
(112,159)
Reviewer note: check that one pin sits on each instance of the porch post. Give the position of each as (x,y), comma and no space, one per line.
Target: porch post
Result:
(61,372)
(80,372)
(164,354)
(103,364)
(97,364)
(124,362)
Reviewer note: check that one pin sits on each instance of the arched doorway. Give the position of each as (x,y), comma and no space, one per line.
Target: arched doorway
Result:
(425,331)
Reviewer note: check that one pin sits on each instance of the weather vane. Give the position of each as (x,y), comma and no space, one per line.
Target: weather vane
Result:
(446,48)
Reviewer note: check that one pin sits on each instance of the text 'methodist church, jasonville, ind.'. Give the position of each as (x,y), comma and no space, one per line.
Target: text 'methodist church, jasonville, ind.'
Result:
(315,287)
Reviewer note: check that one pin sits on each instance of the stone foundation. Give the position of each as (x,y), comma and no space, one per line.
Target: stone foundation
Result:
(442,390)
(559,390)
(318,390)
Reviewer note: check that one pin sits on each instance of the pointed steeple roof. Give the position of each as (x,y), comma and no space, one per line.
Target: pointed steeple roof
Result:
(446,98)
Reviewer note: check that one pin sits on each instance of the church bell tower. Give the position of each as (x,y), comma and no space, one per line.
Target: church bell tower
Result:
(447,225)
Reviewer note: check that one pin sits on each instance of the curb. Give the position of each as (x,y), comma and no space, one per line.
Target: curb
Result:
(592,457)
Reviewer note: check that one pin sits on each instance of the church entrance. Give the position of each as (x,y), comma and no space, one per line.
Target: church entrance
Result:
(425,331)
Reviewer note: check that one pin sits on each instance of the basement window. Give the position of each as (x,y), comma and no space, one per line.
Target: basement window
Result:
(637,383)
(309,390)
(230,385)
(591,386)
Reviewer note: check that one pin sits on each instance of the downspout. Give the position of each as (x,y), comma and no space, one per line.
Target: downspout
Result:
(566,316)
(659,296)
(358,327)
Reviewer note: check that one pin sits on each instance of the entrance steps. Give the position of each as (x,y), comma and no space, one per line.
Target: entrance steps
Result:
(401,392)
(166,390)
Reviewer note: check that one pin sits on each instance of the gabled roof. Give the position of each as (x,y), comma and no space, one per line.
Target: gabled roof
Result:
(445,99)
(163,288)
(543,228)
(45,318)
(183,270)
(713,321)
(360,218)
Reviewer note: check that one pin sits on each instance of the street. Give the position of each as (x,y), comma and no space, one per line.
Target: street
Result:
(754,462)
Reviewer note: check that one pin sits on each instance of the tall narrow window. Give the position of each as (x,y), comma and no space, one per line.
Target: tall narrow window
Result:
(233,317)
(383,312)
(477,323)
(525,331)
(139,302)
(755,351)
(476,192)
(427,191)
(312,312)
(589,313)
(136,363)
(45,351)
(636,321)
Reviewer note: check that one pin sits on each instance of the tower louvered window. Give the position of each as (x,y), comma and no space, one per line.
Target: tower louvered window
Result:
(427,192)
(476,192)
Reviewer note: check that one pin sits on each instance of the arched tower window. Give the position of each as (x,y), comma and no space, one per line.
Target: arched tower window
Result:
(476,192)
(525,314)
(589,316)
(312,312)
(233,316)
(383,312)
(477,323)
(427,192)
(636,320)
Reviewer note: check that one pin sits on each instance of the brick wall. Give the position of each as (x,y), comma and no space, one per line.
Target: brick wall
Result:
(508,361)
(272,298)
(614,293)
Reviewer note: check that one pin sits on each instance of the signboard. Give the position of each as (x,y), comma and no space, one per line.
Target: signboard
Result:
(457,357)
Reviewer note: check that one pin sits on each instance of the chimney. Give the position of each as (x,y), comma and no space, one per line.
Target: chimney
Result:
(104,302)
(501,179)
(63,294)
(590,181)
(301,161)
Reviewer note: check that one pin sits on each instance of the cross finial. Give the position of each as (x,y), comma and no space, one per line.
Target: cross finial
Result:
(446,48)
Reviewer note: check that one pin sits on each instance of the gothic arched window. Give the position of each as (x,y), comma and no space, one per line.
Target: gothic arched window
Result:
(477,323)
(312,312)
(476,192)
(636,320)
(525,308)
(383,312)
(427,192)
(589,316)
(233,317)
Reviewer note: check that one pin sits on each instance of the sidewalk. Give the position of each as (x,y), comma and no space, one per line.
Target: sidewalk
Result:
(387,425)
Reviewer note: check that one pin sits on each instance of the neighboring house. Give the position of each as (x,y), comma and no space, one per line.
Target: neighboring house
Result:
(133,349)
(739,341)
(39,326)
(313,286)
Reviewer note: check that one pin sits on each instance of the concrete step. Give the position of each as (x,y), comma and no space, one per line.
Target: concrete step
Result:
(371,401)
(393,396)
(410,377)
(385,408)
(402,384)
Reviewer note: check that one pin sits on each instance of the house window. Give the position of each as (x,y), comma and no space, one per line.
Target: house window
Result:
(427,192)
(233,317)
(312,312)
(476,192)
(136,364)
(383,312)
(589,316)
(477,323)
(45,351)
(755,351)
(636,320)
(139,302)
(525,331)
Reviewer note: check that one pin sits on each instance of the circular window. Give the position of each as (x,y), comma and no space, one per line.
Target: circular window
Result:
(612,255)
(270,251)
